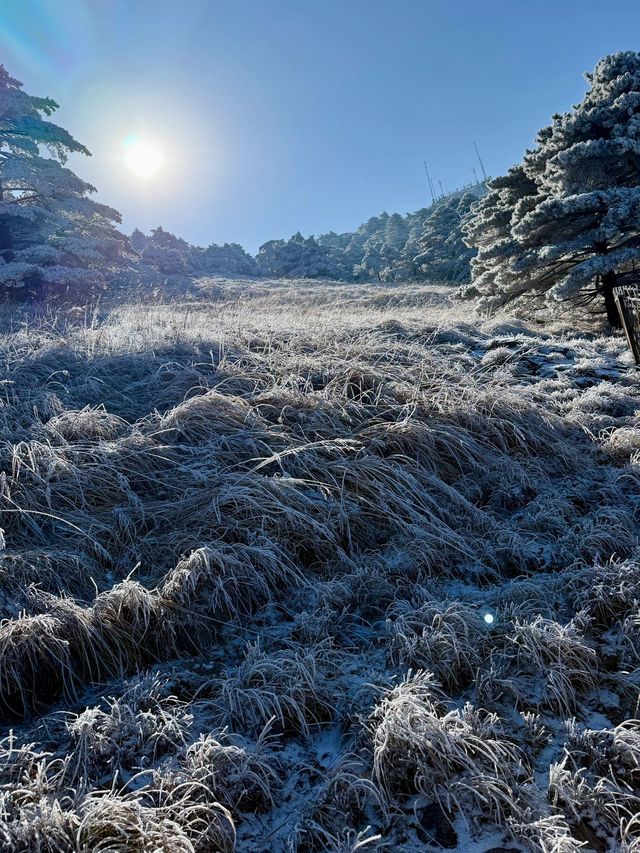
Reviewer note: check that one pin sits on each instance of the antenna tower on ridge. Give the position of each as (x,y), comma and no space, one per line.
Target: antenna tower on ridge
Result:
(433,197)
(484,174)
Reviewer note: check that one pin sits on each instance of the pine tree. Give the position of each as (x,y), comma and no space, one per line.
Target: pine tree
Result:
(229,259)
(488,231)
(51,233)
(300,257)
(566,224)
(138,240)
(443,255)
(169,254)
(269,260)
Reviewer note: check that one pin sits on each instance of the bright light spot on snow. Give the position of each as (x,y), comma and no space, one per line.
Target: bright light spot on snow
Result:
(142,158)
(489,618)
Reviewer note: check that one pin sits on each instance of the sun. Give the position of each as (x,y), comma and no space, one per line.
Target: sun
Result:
(143,158)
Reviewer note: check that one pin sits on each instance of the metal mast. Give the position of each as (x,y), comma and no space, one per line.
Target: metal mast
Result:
(484,174)
(433,197)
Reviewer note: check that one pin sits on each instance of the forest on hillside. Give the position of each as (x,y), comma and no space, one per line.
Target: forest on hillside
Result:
(423,246)
(561,226)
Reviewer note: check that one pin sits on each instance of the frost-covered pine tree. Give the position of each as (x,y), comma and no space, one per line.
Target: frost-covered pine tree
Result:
(169,254)
(267,258)
(442,255)
(300,257)
(138,240)
(573,230)
(373,262)
(229,259)
(488,231)
(51,233)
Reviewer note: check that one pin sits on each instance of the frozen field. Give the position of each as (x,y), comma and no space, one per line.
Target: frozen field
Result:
(306,567)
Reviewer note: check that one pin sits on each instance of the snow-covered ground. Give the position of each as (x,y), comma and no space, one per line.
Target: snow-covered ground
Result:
(305,566)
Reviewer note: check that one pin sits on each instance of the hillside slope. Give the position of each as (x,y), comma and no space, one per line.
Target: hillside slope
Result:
(422,246)
(315,567)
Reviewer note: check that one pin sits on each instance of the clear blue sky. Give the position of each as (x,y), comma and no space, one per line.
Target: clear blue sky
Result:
(311,115)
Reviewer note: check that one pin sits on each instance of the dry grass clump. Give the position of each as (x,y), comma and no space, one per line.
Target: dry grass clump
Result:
(606,592)
(225,582)
(133,621)
(208,416)
(132,824)
(558,660)
(290,688)
(242,774)
(344,799)
(623,443)
(35,662)
(268,525)
(447,756)
(89,424)
(55,571)
(135,728)
(37,826)
(597,781)
(547,834)
(445,638)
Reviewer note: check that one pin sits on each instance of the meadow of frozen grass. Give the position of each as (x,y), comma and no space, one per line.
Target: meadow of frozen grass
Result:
(300,567)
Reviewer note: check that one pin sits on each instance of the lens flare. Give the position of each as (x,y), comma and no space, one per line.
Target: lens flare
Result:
(489,618)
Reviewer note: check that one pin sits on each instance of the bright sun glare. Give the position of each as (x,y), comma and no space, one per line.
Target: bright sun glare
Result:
(142,158)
